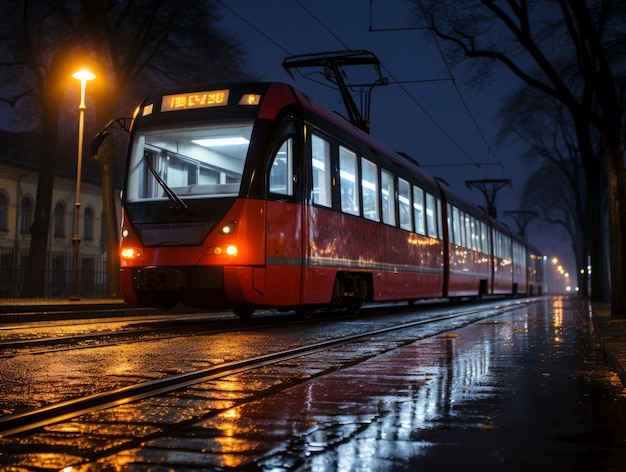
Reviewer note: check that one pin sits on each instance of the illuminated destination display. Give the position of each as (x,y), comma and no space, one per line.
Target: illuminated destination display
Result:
(189,101)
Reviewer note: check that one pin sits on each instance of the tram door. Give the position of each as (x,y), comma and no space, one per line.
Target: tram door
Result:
(283,229)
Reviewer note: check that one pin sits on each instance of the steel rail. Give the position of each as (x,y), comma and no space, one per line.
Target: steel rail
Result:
(62,411)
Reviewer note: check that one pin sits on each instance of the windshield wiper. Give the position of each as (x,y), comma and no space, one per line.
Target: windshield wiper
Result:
(176,203)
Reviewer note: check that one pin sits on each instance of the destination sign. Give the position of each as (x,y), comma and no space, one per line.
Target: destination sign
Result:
(189,101)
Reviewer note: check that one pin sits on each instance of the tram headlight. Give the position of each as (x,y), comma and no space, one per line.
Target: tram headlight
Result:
(131,253)
(228,228)
(125,233)
(230,250)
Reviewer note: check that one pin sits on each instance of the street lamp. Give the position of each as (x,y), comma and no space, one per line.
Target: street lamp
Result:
(83,75)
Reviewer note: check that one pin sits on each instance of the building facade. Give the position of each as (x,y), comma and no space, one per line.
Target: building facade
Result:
(18,192)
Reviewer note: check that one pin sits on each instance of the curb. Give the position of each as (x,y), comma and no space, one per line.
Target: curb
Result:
(612,335)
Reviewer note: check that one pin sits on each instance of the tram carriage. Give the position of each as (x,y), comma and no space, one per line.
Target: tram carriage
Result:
(251,195)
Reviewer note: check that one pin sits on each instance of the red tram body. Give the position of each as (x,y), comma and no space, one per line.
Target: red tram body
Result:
(251,195)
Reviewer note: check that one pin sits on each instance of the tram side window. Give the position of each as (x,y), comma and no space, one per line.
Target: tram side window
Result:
(456,225)
(501,253)
(348,178)
(418,210)
(468,231)
(484,237)
(388,191)
(438,218)
(320,155)
(431,215)
(369,185)
(404,205)
(282,169)
(463,234)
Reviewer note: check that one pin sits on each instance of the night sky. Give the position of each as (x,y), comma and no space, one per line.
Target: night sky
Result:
(450,130)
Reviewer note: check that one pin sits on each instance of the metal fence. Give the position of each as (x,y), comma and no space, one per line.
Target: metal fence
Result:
(91,274)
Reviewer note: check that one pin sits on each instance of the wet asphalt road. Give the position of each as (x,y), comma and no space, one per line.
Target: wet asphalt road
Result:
(527,390)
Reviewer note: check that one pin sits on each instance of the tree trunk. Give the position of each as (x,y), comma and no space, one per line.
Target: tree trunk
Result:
(35,276)
(51,98)
(617,225)
(106,157)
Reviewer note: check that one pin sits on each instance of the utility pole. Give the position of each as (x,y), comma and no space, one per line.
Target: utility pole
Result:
(489,189)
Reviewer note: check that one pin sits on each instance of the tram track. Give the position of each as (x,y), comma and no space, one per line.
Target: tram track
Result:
(36,338)
(58,412)
(33,338)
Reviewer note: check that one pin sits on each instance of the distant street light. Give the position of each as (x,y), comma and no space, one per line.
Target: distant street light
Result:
(83,75)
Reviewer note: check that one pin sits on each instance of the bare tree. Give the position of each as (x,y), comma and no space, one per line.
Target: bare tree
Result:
(131,46)
(532,39)
(556,189)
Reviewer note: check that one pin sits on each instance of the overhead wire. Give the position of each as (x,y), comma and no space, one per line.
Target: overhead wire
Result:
(395,81)
(399,83)
(467,109)
(266,36)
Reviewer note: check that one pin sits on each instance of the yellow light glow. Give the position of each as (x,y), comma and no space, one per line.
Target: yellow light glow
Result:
(250,99)
(231,250)
(188,101)
(84,74)
(228,228)
(131,253)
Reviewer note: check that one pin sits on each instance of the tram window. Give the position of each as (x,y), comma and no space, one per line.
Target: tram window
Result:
(439,216)
(388,191)
(369,186)
(473,224)
(281,170)
(418,210)
(431,210)
(484,237)
(468,231)
(404,205)
(456,226)
(320,157)
(348,178)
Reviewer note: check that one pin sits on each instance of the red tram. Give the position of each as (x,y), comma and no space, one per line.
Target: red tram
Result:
(251,195)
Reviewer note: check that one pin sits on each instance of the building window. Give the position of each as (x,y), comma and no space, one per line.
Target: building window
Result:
(103,229)
(59,220)
(26,209)
(4,204)
(88,224)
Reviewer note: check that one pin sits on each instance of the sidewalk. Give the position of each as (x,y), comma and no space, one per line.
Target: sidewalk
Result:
(612,336)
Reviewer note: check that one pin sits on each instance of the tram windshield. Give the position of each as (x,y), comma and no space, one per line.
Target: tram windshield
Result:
(203,161)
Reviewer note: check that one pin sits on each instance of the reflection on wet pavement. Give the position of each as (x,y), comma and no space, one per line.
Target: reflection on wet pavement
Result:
(526,389)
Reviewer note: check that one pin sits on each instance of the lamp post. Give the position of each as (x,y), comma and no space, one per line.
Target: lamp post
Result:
(83,75)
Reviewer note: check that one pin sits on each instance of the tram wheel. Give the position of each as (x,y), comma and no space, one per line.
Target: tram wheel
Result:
(354,307)
(243,311)
(305,312)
